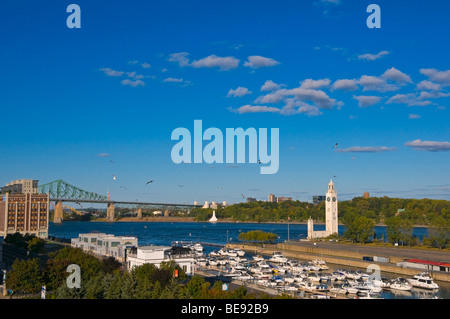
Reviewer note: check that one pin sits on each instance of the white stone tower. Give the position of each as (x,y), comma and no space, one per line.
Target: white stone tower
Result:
(331,210)
(331,215)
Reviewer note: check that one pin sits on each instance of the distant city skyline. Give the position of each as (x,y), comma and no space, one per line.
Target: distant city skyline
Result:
(96,106)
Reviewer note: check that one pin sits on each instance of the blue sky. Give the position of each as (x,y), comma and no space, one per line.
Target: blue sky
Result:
(86,104)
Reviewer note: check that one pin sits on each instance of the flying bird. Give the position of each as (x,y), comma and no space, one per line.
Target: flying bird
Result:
(149,182)
(181,185)
(335,145)
(114,177)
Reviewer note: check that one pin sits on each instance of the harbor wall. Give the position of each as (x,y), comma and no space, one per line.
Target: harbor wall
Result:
(337,257)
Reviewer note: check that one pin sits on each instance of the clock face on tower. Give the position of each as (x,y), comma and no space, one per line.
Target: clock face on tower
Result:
(328,199)
(334,199)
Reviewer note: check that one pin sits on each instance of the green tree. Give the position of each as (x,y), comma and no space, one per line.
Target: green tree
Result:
(25,276)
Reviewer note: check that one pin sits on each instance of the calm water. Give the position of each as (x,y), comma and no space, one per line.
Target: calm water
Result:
(164,233)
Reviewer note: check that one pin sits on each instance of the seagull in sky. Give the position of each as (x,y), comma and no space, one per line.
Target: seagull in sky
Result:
(335,145)
(149,182)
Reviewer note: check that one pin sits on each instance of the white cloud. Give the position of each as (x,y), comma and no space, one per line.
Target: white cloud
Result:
(173,80)
(366,101)
(213,61)
(133,83)
(145,65)
(111,72)
(409,99)
(318,97)
(428,85)
(395,75)
(257,61)
(314,84)
(412,99)
(269,85)
(255,109)
(180,58)
(430,146)
(366,149)
(442,77)
(345,85)
(374,83)
(294,106)
(372,57)
(413,116)
(239,92)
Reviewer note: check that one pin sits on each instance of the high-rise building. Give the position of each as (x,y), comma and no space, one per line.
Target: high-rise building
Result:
(317,199)
(251,199)
(25,214)
(21,186)
(366,195)
(283,199)
(272,198)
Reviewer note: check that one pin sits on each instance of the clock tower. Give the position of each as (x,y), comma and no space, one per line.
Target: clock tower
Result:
(331,210)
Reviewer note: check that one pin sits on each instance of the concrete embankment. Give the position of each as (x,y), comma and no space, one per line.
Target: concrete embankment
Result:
(339,255)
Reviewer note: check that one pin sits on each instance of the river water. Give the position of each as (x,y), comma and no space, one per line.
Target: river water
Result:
(164,233)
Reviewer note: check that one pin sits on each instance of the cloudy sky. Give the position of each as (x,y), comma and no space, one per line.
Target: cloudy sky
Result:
(87,104)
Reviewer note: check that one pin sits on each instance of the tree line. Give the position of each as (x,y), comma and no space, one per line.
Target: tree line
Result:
(359,216)
(104,278)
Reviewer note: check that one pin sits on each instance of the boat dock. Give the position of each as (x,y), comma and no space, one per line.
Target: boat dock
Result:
(349,255)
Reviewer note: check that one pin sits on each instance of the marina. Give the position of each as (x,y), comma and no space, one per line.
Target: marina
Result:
(277,273)
(312,278)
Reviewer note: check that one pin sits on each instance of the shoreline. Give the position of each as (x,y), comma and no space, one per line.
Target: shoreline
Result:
(192,220)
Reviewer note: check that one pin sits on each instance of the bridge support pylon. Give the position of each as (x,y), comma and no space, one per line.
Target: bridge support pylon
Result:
(110,212)
(139,213)
(58,216)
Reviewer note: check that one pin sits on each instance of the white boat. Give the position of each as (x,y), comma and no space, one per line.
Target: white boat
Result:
(349,288)
(262,270)
(350,274)
(400,284)
(310,267)
(383,282)
(278,257)
(325,276)
(321,264)
(215,253)
(337,275)
(239,252)
(423,280)
(364,286)
(258,258)
(313,277)
(369,295)
(338,289)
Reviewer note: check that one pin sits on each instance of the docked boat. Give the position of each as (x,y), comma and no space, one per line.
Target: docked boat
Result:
(258,258)
(350,274)
(400,284)
(337,276)
(338,289)
(321,264)
(239,252)
(364,286)
(278,257)
(324,277)
(313,277)
(383,282)
(424,281)
(369,295)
